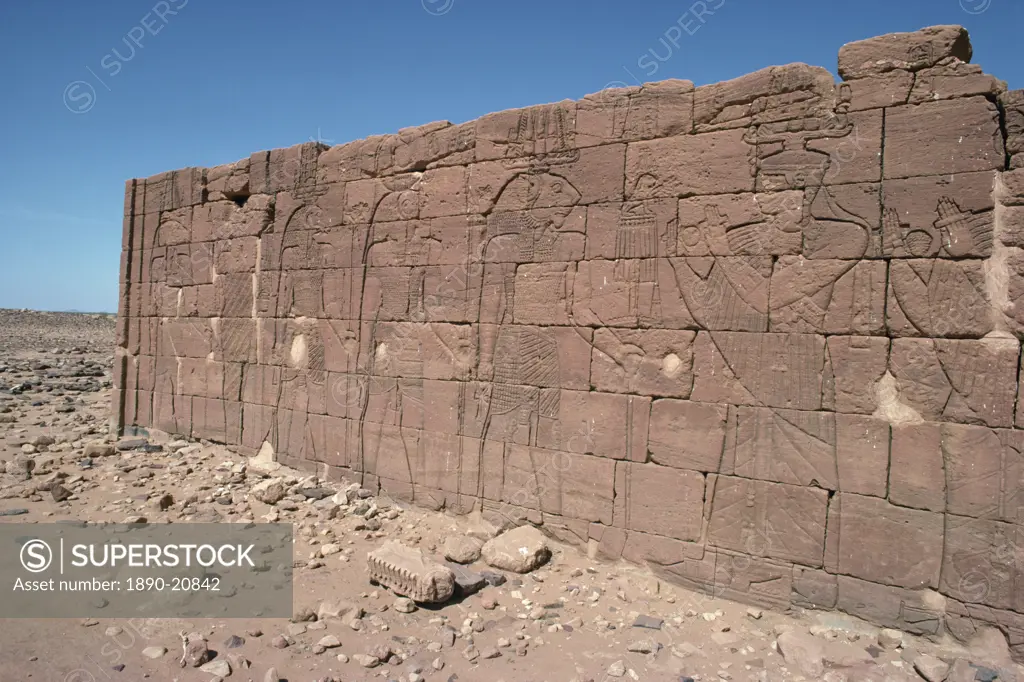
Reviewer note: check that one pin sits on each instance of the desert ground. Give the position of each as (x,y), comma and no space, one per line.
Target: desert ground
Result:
(571,619)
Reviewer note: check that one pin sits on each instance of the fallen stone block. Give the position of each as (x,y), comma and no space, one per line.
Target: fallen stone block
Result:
(519,550)
(409,573)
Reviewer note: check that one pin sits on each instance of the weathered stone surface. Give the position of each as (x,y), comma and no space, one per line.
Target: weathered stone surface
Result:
(674,506)
(409,573)
(981,562)
(916,475)
(906,51)
(769,519)
(862,454)
(636,113)
(786,446)
(778,93)
(803,651)
(519,550)
(943,138)
(857,364)
(983,468)
(462,549)
(883,543)
(690,164)
(778,370)
(762,224)
(687,435)
(954,79)
(937,298)
(828,296)
(962,381)
(926,217)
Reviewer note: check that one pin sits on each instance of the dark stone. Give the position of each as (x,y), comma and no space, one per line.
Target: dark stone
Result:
(13,512)
(316,493)
(493,578)
(234,641)
(983,674)
(648,622)
(467,582)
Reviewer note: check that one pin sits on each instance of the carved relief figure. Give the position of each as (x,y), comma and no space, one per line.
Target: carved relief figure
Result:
(542,136)
(782,160)
(637,246)
(954,232)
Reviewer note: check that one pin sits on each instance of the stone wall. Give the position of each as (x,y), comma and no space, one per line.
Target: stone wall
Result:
(761,335)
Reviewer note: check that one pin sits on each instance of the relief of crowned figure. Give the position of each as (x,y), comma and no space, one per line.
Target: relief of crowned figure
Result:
(782,160)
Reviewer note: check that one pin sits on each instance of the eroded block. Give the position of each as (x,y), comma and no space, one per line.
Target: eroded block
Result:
(408,572)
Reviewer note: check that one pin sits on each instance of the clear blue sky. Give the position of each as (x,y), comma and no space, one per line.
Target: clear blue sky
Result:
(223,78)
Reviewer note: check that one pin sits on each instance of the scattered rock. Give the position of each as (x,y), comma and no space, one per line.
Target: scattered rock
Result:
(404,605)
(99,449)
(270,491)
(219,667)
(519,550)
(340,610)
(304,615)
(644,646)
(126,444)
(272,676)
(617,669)
(467,581)
(648,622)
(890,639)
(366,660)
(196,651)
(280,642)
(329,642)
(234,642)
(802,651)
(163,502)
(154,652)
(930,668)
(462,549)
(493,579)
(59,492)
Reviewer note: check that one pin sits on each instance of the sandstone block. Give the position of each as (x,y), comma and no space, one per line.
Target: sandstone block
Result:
(907,51)
(778,370)
(886,544)
(862,454)
(409,573)
(917,472)
(519,550)
(708,163)
(778,93)
(672,504)
(635,113)
(786,446)
(965,381)
(943,138)
(769,520)
(687,435)
(937,298)
(828,296)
